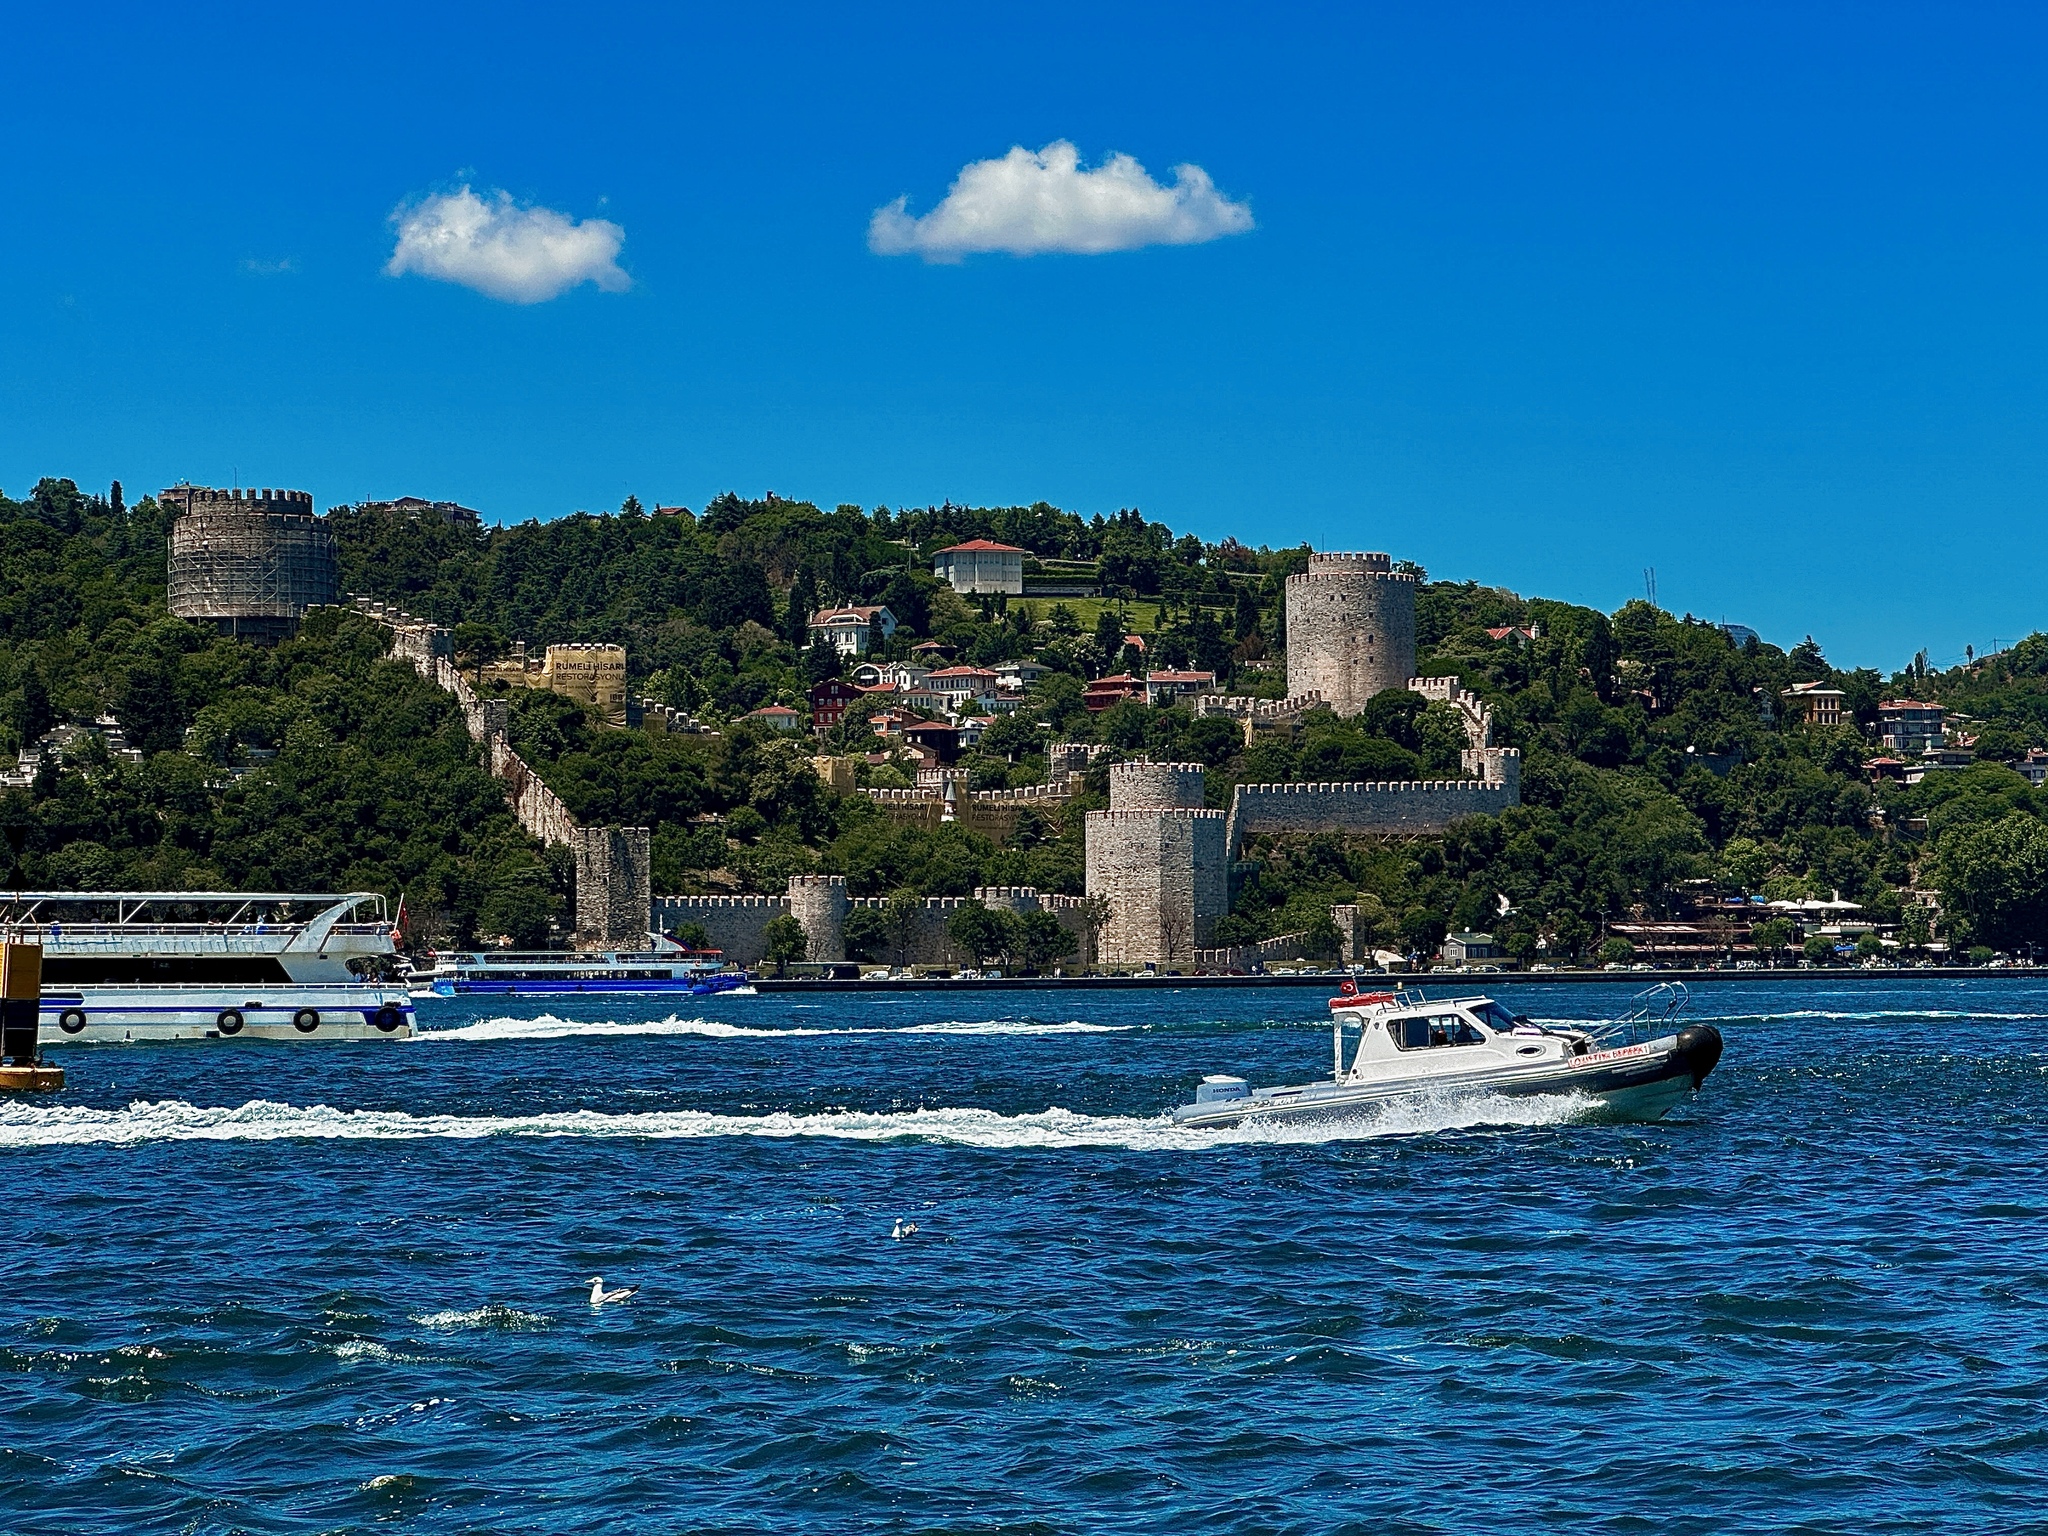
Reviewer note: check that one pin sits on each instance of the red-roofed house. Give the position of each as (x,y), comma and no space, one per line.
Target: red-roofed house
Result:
(1165,687)
(981,565)
(778,717)
(852,629)
(1108,692)
(960,682)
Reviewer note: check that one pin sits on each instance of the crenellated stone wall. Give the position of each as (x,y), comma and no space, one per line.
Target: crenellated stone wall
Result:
(942,796)
(613,865)
(1410,808)
(737,924)
(734,924)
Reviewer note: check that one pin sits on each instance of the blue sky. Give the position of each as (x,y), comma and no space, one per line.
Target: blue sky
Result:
(1538,295)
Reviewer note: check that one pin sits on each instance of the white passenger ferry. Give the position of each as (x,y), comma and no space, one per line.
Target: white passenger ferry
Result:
(663,967)
(134,966)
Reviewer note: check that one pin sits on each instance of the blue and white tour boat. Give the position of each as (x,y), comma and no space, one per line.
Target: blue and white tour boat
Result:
(135,966)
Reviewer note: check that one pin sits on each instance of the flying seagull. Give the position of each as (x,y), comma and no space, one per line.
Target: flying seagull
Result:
(599,1296)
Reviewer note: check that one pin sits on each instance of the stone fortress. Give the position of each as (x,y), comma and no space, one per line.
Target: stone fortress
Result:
(1160,858)
(1158,862)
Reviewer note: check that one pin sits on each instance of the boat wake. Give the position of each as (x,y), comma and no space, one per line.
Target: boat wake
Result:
(549,1027)
(173,1120)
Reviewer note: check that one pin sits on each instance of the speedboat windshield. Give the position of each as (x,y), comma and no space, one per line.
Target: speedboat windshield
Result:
(1502,1022)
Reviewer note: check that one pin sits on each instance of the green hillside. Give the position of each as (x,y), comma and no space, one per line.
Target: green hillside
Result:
(1652,774)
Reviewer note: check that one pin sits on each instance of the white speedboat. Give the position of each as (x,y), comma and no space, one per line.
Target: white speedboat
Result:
(1392,1045)
(135,966)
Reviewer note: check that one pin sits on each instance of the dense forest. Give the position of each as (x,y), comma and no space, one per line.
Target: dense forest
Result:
(1657,764)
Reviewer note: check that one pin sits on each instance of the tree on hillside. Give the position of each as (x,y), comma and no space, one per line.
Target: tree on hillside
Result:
(983,932)
(1994,876)
(783,940)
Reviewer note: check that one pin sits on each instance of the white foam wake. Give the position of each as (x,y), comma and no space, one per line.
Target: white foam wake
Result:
(171,1120)
(550,1027)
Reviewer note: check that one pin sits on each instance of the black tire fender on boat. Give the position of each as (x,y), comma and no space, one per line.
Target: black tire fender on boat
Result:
(1699,1050)
(71,1020)
(306,1020)
(387,1018)
(229,1021)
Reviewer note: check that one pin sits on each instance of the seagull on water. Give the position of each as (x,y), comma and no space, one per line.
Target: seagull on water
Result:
(900,1231)
(599,1296)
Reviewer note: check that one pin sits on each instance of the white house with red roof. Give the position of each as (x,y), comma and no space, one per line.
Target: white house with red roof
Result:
(1165,687)
(981,565)
(851,630)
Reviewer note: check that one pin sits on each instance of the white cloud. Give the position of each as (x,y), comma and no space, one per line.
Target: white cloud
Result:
(520,255)
(1029,204)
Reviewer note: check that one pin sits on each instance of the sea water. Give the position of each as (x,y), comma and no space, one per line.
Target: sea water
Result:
(296,1288)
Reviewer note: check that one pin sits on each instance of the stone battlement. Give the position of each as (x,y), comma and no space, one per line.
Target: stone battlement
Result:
(1324,562)
(1025,795)
(1240,707)
(206,498)
(1400,808)
(1158,813)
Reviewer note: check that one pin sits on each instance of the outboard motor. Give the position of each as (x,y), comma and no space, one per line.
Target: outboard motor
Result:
(1221,1090)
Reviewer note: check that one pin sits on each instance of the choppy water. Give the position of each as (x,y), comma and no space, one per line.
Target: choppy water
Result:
(299,1288)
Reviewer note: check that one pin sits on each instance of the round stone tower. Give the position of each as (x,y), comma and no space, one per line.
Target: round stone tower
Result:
(1350,629)
(820,904)
(1155,786)
(249,562)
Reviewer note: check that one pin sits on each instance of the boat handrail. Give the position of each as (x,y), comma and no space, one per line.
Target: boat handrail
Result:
(1648,1012)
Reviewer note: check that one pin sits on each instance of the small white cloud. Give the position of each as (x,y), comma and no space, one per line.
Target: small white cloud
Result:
(264,268)
(520,255)
(1029,205)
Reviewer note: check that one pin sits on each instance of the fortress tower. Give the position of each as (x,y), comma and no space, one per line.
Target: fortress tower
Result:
(250,562)
(1350,629)
(614,869)
(820,904)
(1157,859)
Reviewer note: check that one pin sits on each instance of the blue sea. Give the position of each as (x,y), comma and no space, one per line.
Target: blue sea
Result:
(304,1288)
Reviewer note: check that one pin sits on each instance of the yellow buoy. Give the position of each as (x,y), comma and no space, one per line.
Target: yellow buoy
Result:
(22,1068)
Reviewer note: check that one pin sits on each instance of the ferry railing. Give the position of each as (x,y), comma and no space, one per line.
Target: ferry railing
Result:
(122,931)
